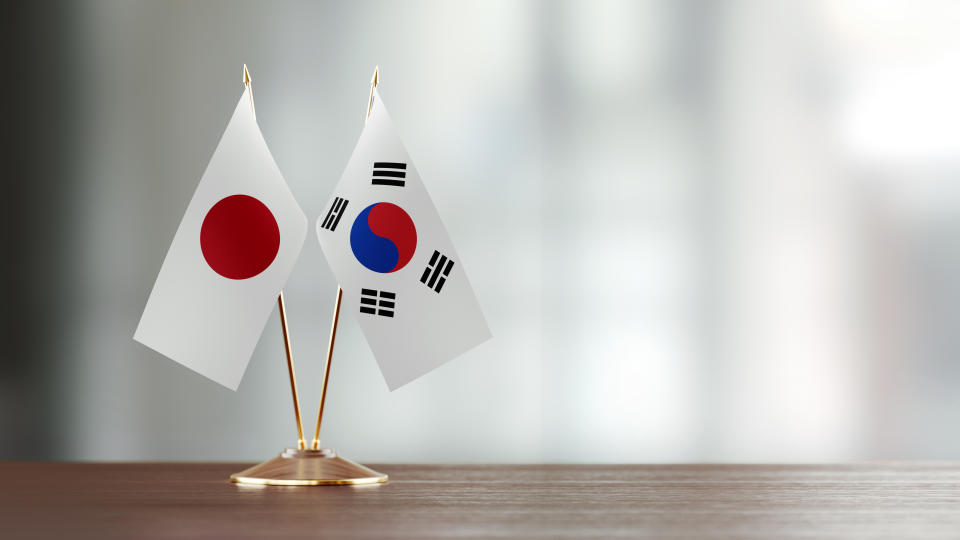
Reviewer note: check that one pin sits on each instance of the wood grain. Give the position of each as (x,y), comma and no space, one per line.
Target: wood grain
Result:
(172,500)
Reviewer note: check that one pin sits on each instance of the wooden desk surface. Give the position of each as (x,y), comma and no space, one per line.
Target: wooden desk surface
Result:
(173,500)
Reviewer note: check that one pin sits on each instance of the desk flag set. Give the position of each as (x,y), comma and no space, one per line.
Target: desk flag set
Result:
(239,240)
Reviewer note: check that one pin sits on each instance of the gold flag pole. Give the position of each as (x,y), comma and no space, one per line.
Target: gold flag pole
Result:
(315,444)
(301,444)
(314,466)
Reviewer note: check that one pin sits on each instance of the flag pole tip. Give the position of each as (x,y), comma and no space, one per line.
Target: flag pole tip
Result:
(376,76)
(246,75)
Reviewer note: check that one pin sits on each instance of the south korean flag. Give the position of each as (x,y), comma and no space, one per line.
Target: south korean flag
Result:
(400,274)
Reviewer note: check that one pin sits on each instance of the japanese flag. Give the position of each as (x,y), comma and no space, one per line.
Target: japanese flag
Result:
(400,274)
(231,255)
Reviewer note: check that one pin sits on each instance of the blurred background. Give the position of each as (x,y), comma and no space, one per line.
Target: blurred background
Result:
(725,231)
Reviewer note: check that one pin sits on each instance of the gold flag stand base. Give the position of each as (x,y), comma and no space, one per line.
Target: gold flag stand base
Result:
(309,468)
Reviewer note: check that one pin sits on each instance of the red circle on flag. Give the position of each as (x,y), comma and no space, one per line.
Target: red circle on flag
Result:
(239,237)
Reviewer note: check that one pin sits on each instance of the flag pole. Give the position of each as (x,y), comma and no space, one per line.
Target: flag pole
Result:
(315,444)
(301,444)
(293,378)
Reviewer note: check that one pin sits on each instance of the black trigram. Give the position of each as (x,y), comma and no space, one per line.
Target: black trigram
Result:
(436,271)
(389,174)
(334,214)
(377,302)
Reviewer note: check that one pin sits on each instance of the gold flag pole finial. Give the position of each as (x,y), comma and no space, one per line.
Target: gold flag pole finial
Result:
(246,82)
(301,443)
(315,443)
(374,81)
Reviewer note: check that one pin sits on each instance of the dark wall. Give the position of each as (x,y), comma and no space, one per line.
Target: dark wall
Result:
(36,75)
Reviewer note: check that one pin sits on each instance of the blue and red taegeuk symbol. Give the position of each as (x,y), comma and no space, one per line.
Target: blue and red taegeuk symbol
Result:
(383,237)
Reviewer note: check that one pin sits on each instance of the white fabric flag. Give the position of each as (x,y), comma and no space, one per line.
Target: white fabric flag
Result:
(234,250)
(401,276)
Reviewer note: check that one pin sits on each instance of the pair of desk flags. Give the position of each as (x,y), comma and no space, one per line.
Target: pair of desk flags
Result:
(241,236)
